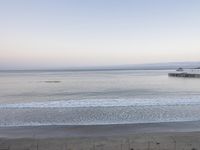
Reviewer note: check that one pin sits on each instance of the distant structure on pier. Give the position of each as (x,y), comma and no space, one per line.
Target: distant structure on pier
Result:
(179,69)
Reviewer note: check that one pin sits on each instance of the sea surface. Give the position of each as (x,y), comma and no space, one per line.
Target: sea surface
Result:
(32,98)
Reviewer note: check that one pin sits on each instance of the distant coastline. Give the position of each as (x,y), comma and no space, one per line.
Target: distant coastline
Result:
(150,66)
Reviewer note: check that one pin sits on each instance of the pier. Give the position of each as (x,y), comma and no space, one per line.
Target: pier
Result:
(184,75)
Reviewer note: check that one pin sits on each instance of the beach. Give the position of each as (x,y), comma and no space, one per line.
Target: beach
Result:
(148,136)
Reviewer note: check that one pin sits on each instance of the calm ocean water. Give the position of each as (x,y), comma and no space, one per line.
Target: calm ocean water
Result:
(96,97)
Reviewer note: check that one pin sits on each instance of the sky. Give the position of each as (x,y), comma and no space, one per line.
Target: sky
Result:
(76,33)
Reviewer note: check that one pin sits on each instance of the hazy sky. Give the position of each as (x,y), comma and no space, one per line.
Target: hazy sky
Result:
(67,33)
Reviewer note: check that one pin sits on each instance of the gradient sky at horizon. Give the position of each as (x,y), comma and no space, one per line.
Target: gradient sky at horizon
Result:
(71,33)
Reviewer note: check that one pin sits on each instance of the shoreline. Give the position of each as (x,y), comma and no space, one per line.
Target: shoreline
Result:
(149,136)
(78,131)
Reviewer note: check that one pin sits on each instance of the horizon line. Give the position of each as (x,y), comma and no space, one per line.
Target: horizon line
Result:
(142,66)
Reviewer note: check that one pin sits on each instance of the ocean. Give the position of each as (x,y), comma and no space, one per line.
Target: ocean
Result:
(34,98)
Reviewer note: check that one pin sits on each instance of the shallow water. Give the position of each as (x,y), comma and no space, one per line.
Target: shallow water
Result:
(96,97)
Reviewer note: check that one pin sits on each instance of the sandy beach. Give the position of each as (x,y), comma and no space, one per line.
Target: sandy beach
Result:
(149,136)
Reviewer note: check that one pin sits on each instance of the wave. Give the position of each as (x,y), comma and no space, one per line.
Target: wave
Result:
(107,103)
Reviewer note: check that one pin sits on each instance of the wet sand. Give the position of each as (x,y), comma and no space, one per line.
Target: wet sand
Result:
(149,136)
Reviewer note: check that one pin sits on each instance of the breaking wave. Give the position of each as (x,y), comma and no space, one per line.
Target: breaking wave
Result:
(106,103)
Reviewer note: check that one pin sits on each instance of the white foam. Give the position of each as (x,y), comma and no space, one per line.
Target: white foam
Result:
(106,103)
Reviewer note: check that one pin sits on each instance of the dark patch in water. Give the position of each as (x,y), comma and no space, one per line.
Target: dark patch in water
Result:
(52,81)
